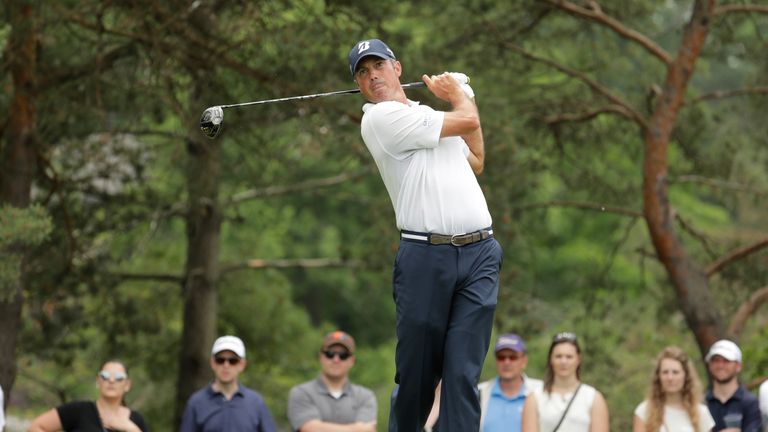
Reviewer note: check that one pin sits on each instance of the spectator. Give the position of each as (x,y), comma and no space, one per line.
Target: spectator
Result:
(2,410)
(764,403)
(331,402)
(565,403)
(673,401)
(108,413)
(502,398)
(225,405)
(733,407)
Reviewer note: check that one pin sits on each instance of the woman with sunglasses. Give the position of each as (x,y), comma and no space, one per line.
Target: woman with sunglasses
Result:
(107,413)
(564,403)
(673,401)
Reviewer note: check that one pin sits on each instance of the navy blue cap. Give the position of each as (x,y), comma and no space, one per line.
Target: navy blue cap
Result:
(369,47)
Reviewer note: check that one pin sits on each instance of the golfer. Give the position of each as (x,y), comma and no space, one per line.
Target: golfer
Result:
(445,278)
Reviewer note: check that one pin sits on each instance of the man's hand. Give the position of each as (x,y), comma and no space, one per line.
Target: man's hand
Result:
(444,87)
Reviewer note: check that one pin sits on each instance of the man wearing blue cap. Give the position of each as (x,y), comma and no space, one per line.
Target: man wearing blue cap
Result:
(445,279)
(502,398)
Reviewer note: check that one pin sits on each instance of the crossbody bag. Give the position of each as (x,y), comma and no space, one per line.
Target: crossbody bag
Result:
(567,408)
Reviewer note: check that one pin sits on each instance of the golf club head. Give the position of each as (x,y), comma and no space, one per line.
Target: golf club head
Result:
(211,121)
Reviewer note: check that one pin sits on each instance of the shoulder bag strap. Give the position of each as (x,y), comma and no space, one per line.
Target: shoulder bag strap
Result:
(567,408)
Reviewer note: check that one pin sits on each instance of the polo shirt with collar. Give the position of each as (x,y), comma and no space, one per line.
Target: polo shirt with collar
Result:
(209,411)
(312,401)
(743,403)
(504,413)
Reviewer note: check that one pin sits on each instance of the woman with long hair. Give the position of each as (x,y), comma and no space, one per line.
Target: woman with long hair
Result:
(673,401)
(564,403)
(107,413)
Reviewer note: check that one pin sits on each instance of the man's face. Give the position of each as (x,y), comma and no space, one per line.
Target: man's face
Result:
(336,367)
(723,370)
(378,79)
(227,366)
(510,364)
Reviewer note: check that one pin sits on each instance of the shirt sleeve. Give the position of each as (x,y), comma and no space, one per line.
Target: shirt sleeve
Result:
(400,128)
(139,421)
(188,418)
(640,410)
(2,410)
(266,422)
(71,413)
(706,422)
(300,408)
(367,411)
(752,419)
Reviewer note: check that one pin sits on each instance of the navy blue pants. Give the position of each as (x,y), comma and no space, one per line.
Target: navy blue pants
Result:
(445,297)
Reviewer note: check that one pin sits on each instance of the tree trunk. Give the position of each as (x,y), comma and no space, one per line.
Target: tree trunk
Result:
(18,163)
(202,272)
(689,280)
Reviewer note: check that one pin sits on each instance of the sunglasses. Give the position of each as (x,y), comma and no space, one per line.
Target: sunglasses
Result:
(564,336)
(342,355)
(117,376)
(221,360)
(508,357)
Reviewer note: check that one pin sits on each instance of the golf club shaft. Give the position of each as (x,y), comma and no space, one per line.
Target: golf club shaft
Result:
(312,96)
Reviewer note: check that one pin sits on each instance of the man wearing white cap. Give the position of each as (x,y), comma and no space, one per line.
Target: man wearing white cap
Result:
(733,408)
(225,405)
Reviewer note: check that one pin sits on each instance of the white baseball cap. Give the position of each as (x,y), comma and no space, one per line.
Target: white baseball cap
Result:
(725,349)
(229,343)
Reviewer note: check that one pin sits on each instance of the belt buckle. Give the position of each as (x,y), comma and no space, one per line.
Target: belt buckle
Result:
(454,241)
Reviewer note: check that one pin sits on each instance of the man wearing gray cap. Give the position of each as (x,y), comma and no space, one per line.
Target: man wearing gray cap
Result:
(446,273)
(733,408)
(225,405)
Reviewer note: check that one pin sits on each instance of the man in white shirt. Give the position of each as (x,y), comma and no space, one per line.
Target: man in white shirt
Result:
(445,280)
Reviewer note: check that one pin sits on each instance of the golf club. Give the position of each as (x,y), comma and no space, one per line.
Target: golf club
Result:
(213,118)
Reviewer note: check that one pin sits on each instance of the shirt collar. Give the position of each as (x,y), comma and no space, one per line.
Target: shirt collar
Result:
(321,388)
(212,392)
(496,389)
(737,395)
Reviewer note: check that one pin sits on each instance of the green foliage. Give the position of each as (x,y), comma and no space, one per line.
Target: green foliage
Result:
(108,238)
(20,230)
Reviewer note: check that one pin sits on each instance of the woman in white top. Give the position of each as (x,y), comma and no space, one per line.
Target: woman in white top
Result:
(565,404)
(673,401)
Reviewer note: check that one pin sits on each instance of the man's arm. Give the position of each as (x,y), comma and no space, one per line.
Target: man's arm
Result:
(464,118)
(463,121)
(752,418)
(476,146)
(321,426)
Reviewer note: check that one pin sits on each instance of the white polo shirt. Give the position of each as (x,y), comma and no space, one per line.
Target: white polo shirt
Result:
(428,178)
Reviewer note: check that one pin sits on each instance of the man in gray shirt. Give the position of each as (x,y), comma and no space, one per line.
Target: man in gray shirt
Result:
(330,402)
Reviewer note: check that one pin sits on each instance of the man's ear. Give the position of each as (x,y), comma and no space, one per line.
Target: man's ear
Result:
(398,68)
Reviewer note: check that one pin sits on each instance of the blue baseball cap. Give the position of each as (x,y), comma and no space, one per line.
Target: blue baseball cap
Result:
(510,341)
(368,47)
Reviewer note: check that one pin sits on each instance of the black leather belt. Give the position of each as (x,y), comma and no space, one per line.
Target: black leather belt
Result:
(443,239)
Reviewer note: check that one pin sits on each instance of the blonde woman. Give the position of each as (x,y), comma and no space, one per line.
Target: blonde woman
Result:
(565,404)
(673,401)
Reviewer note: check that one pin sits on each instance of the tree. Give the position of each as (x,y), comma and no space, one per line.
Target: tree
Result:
(18,165)
(689,279)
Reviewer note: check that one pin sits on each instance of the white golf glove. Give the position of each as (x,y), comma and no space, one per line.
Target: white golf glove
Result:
(464,80)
